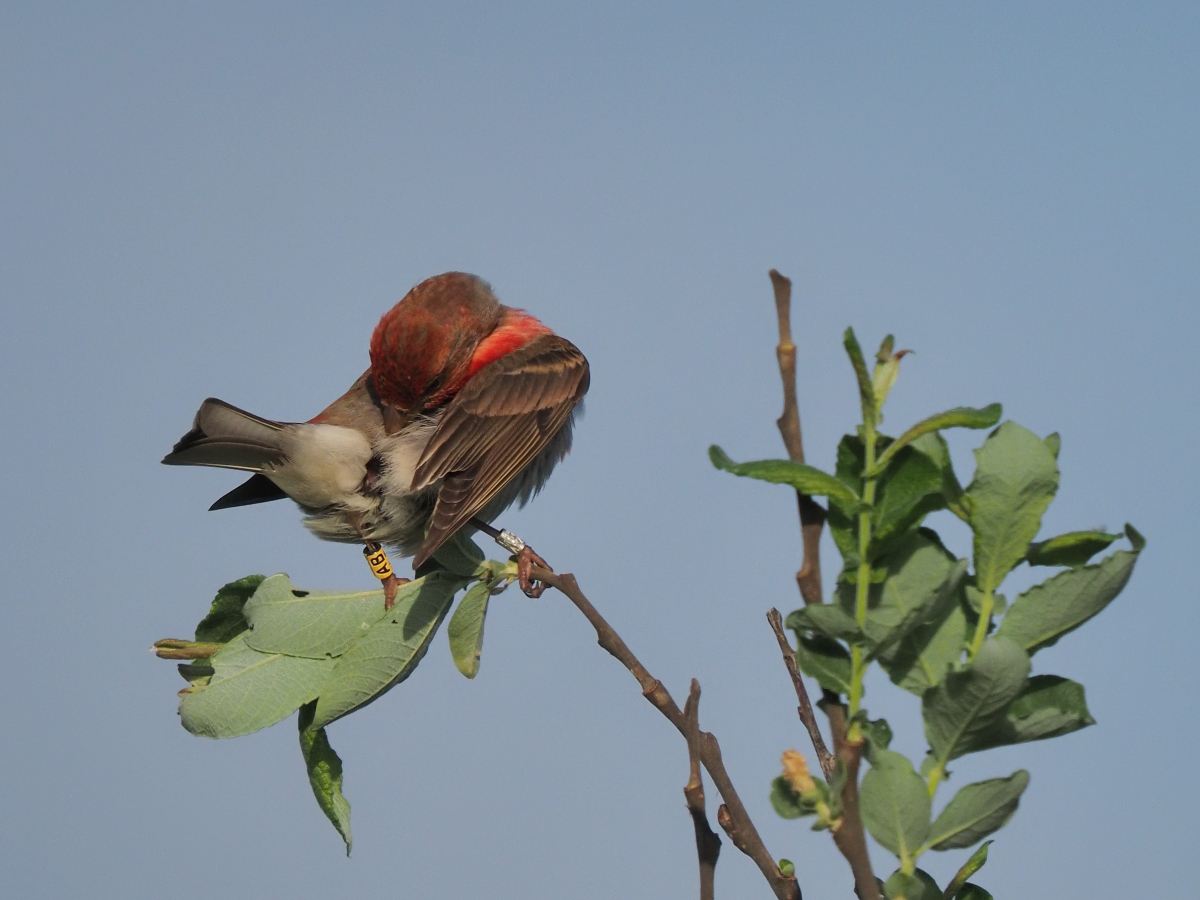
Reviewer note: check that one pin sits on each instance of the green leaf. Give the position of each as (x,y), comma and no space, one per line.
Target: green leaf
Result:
(825,660)
(969,868)
(962,707)
(906,493)
(324,774)
(920,577)
(877,732)
(976,811)
(972,892)
(1135,538)
(895,804)
(843,517)
(787,802)
(388,653)
(1016,477)
(225,621)
(959,417)
(461,555)
(1071,549)
(912,487)
(466,629)
(866,390)
(1048,706)
(934,446)
(918,886)
(313,624)
(250,690)
(1059,605)
(1054,443)
(805,479)
(828,619)
(932,891)
(851,458)
(921,659)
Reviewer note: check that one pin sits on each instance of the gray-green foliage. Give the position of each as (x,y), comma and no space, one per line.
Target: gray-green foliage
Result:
(976,811)
(466,629)
(1047,611)
(1016,477)
(969,868)
(328,654)
(965,703)
(895,804)
(324,774)
(937,625)
(250,690)
(917,885)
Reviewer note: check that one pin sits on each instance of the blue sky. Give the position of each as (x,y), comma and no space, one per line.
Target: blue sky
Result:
(221,199)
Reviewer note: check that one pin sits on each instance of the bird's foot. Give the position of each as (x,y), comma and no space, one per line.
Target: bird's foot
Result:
(524,555)
(526,560)
(391,584)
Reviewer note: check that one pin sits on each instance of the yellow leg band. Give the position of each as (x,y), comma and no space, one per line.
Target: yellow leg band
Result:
(378,561)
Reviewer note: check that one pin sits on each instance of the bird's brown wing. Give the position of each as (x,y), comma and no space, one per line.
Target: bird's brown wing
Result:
(494,427)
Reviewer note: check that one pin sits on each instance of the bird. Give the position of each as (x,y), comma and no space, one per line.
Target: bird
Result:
(466,408)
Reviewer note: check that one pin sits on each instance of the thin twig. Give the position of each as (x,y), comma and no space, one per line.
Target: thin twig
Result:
(824,757)
(812,514)
(850,837)
(708,844)
(740,828)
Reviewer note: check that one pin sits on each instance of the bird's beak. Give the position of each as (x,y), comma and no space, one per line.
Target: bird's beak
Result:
(394,419)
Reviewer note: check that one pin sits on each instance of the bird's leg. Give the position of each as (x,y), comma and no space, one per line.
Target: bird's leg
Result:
(381,566)
(525,556)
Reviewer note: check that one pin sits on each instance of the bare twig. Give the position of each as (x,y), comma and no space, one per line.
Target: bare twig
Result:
(732,815)
(824,757)
(708,844)
(850,838)
(812,514)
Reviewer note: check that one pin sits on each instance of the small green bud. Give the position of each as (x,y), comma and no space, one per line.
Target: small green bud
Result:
(886,372)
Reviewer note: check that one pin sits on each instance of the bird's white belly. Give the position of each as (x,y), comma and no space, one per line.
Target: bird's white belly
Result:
(381,507)
(325,464)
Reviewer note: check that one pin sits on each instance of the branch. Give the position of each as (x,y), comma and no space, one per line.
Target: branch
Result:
(824,757)
(812,514)
(732,815)
(850,838)
(708,844)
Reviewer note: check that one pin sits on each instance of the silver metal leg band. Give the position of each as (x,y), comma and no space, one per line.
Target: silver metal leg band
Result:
(510,542)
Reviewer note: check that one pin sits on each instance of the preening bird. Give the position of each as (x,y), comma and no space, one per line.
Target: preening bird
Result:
(467,407)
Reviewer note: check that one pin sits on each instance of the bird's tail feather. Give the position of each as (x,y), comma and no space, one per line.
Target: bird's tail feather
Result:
(230,438)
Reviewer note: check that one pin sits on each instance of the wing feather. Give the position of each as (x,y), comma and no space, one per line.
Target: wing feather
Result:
(495,427)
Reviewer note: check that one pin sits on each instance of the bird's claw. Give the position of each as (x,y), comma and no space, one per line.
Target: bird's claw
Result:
(391,584)
(526,560)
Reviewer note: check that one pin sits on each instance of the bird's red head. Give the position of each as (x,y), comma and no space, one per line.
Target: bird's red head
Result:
(444,331)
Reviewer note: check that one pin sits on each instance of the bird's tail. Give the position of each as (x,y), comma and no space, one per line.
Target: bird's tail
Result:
(230,438)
